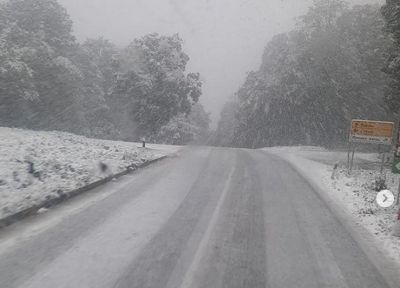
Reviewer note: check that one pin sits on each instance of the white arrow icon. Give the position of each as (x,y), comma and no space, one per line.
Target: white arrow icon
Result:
(385,198)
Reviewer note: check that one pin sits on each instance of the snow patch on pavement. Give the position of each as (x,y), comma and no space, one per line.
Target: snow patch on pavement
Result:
(38,166)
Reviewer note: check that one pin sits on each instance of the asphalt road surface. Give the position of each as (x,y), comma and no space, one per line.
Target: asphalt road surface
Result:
(212,217)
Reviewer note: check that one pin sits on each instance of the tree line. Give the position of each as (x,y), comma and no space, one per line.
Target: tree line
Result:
(49,81)
(339,63)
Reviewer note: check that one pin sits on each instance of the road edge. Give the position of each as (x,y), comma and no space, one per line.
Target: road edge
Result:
(388,268)
(20,215)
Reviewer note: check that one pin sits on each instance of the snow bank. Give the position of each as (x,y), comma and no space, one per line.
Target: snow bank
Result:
(38,166)
(353,193)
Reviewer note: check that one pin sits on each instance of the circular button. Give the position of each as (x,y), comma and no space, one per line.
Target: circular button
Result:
(385,198)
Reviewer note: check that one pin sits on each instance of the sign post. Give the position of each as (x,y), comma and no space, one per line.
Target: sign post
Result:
(370,132)
(382,153)
(349,149)
(352,158)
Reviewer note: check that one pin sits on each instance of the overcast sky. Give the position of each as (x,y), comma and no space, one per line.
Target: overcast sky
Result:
(224,38)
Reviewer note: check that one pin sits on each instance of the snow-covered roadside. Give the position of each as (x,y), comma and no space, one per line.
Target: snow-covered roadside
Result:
(353,193)
(39,166)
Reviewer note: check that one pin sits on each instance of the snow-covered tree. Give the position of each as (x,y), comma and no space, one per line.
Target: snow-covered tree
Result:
(183,129)
(38,79)
(391,13)
(154,85)
(224,134)
(49,81)
(98,60)
(315,79)
(105,59)
(201,119)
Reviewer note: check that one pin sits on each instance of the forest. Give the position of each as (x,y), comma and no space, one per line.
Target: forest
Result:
(339,63)
(50,81)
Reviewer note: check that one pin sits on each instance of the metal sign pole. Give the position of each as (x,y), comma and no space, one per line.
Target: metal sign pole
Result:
(348,155)
(383,162)
(352,158)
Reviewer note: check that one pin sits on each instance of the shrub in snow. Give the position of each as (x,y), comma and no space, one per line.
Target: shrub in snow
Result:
(379,184)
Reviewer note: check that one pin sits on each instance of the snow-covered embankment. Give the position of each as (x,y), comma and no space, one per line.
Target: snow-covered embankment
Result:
(40,166)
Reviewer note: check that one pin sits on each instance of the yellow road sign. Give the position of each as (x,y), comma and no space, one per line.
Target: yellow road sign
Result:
(373,132)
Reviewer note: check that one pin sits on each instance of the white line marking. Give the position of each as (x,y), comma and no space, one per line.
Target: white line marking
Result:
(189,275)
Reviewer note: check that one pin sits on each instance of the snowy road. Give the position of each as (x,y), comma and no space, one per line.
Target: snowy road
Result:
(212,217)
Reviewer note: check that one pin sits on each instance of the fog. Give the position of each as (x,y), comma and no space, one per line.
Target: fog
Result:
(225,38)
